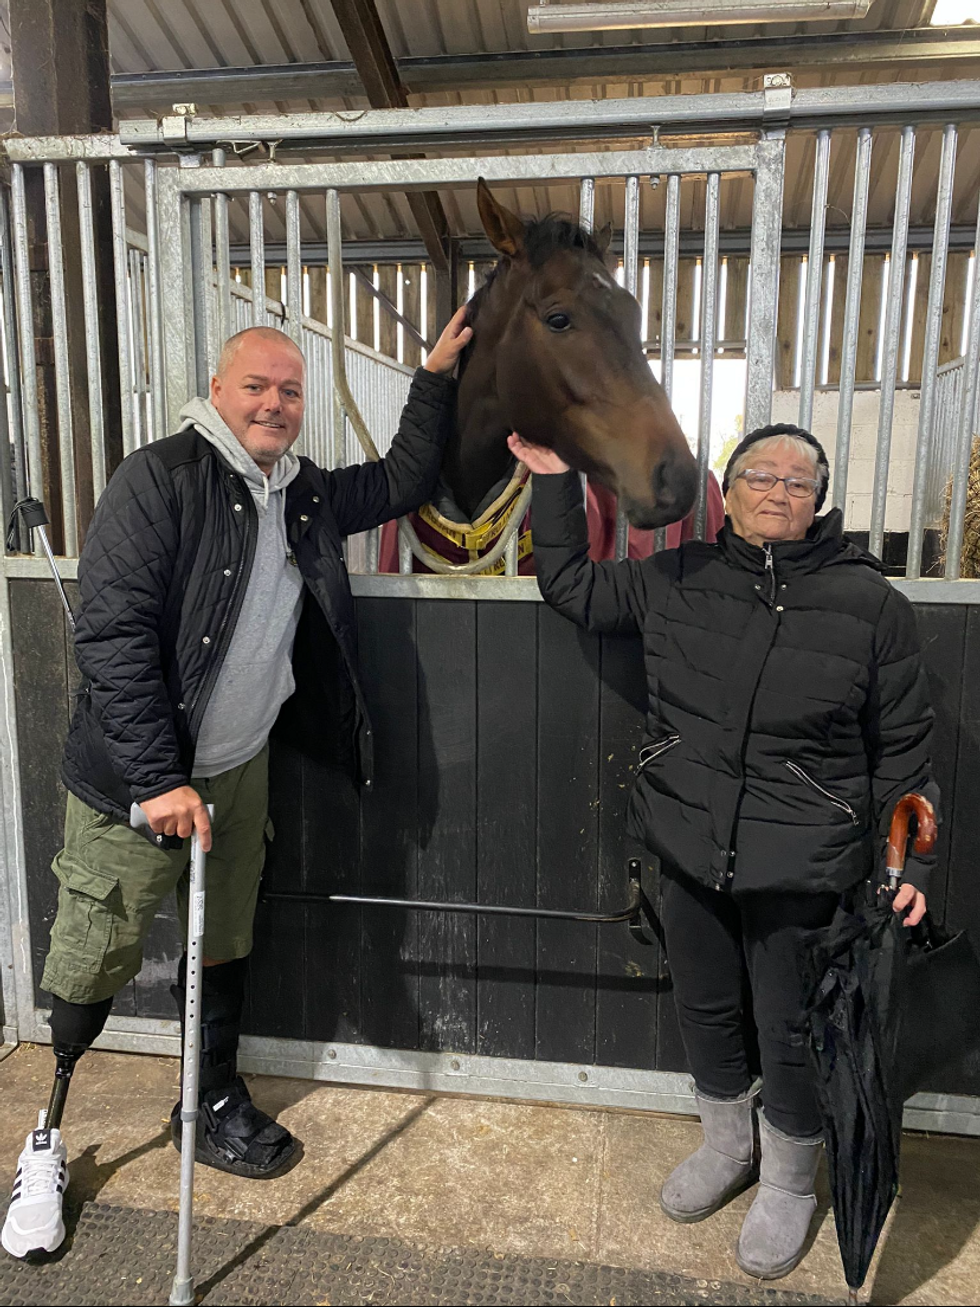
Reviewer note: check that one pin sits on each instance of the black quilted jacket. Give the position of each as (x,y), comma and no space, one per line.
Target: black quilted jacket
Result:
(162,576)
(788,706)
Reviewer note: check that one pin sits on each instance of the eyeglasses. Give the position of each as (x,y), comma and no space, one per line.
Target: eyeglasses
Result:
(798,487)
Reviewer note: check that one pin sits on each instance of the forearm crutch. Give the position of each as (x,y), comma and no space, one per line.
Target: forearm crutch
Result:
(182,1293)
(30,514)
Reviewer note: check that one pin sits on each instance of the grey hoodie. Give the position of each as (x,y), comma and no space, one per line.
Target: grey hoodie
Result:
(256,676)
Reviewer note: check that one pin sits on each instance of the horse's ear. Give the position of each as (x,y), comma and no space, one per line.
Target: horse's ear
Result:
(505,229)
(602,238)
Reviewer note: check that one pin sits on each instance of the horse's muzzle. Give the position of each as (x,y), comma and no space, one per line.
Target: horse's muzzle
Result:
(674,487)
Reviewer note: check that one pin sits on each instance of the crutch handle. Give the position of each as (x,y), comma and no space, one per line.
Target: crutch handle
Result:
(31,514)
(140,823)
(28,512)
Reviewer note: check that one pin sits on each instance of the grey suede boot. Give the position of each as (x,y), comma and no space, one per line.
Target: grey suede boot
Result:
(722,1167)
(775,1229)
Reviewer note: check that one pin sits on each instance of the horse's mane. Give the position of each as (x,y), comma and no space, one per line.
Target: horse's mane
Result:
(543,237)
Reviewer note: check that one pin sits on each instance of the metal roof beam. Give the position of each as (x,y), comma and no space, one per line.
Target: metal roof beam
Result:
(368,45)
(419,75)
(559,120)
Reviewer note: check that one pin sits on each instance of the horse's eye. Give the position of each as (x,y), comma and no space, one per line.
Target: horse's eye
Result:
(558,321)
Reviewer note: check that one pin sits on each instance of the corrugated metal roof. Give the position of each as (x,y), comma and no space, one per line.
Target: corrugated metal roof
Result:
(148,35)
(153,35)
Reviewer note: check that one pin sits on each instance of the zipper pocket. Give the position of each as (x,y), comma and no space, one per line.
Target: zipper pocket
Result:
(803,776)
(649,752)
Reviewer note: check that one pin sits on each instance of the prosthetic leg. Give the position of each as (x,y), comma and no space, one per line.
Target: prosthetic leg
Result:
(34,1221)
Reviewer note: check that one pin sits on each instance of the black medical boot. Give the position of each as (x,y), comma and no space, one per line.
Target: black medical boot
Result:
(232,1133)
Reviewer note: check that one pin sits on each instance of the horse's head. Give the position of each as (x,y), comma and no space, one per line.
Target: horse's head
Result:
(557,357)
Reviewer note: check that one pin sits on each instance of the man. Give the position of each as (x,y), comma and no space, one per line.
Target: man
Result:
(213,558)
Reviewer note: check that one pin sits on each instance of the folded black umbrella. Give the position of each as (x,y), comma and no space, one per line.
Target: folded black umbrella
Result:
(888,1007)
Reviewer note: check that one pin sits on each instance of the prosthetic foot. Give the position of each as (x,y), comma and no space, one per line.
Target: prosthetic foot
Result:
(232,1133)
(34,1221)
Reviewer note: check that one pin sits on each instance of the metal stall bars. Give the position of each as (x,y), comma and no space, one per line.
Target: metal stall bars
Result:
(811,309)
(13,476)
(966,429)
(852,306)
(932,424)
(846,106)
(631,266)
(709,311)
(28,364)
(137,301)
(668,320)
(891,340)
(892,485)
(181,189)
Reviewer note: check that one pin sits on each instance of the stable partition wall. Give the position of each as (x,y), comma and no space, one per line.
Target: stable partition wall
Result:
(505,745)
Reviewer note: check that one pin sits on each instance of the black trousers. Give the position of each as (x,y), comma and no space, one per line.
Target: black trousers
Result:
(734,963)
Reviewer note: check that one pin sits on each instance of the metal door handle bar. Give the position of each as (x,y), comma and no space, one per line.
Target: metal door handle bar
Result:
(636,913)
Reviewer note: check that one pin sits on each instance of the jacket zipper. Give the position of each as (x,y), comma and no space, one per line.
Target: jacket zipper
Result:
(659,747)
(724,879)
(230,620)
(770,576)
(844,806)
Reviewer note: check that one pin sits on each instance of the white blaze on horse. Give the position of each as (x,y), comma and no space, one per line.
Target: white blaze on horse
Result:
(556,355)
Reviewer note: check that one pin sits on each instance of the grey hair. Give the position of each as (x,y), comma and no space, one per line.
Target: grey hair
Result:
(799,446)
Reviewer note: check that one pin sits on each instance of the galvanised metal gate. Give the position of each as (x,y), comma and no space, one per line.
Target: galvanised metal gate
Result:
(482,786)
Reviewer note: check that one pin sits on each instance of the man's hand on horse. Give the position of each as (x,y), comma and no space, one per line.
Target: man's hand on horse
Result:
(179,812)
(454,339)
(540,460)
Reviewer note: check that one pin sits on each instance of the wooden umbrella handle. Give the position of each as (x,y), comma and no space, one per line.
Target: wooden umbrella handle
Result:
(898,832)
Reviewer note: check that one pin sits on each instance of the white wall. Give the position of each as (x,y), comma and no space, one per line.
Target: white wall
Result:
(864,435)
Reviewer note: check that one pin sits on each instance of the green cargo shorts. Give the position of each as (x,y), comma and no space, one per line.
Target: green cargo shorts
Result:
(113,880)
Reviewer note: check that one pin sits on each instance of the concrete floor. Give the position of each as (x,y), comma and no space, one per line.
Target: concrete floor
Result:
(530,1180)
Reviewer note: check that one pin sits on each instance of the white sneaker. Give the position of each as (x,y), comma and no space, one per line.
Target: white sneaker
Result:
(34,1221)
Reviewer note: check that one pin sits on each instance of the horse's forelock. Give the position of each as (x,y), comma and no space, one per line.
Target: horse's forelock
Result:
(547,236)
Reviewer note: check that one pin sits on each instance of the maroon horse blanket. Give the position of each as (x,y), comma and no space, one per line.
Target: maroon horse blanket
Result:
(463,542)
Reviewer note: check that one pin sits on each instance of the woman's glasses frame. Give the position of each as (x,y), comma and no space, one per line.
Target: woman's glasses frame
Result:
(798,487)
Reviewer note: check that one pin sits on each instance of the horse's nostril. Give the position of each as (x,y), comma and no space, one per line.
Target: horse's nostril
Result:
(671,494)
(676,485)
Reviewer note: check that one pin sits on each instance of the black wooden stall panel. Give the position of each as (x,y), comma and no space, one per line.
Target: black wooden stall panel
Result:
(505,739)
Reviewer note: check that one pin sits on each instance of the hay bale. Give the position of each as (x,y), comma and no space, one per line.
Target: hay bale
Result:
(970,553)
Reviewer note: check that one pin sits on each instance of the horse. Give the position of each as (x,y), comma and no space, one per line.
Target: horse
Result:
(556,355)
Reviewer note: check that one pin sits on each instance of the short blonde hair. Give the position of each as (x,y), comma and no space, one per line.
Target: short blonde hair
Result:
(234,343)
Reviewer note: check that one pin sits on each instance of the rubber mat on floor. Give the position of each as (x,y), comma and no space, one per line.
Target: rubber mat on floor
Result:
(117,1255)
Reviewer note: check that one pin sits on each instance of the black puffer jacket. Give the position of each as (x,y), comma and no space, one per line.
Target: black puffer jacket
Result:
(162,577)
(788,705)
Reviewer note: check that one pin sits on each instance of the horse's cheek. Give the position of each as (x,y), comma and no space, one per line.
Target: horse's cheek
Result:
(518,382)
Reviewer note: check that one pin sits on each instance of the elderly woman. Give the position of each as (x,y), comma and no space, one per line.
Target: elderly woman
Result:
(788,710)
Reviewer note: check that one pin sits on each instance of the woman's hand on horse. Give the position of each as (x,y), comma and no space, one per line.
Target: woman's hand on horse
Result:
(545,462)
(447,349)
(906,896)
